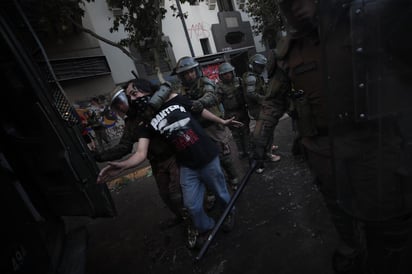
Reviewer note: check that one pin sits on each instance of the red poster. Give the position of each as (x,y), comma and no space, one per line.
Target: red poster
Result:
(211,71)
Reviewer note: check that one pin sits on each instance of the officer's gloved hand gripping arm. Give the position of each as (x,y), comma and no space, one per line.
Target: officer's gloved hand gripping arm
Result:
(251,90)
(208,99)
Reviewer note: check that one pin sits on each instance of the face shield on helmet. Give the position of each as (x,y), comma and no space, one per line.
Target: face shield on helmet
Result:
(120,103)
(131,105)
(257,63)
(226,69)
(188,70)
(299,16)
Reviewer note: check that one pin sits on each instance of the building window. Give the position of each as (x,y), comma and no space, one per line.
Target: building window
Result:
(225,5)
(231,22)
(205,46)
(79,67)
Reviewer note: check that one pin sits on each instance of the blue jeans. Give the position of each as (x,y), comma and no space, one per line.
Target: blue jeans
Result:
(193,188)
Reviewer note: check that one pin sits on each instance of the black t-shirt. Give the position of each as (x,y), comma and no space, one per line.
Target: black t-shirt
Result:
(192,145)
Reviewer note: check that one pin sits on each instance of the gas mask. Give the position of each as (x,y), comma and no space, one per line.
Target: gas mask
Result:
(138,107)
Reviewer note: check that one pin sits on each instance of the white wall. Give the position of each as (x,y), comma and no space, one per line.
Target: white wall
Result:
(120,64)
(198,23)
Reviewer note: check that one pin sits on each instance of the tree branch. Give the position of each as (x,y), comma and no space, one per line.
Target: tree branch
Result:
(101,38)
(158,42)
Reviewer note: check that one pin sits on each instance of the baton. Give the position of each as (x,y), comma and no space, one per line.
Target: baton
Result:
(228,208)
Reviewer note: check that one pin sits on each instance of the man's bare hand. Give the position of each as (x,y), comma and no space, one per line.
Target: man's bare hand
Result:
(232,122)
(112,170)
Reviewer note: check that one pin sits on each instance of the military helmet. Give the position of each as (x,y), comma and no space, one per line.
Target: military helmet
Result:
(225,68)
(185,64)
(259,59)
(257,63)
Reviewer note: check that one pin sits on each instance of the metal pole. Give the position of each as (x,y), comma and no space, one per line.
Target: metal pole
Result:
(185,28)
(227,211)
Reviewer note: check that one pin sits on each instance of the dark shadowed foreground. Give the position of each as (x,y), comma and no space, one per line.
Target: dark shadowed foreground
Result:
(281,227)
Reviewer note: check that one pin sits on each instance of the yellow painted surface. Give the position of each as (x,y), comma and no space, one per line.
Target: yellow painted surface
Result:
(132,176)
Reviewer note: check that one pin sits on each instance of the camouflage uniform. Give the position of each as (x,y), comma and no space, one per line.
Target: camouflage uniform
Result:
(273,107)
(255,91)
(202,92)
(232,98)
(267,102)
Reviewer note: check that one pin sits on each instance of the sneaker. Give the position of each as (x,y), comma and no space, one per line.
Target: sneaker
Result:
(229,222)
(260,170)
(273,157)
(192,235)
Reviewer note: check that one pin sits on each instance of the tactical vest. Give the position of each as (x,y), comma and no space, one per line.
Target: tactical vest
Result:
(232,95)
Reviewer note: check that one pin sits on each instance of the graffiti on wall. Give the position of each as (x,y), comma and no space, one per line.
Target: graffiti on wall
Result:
(200,30)
(114,125)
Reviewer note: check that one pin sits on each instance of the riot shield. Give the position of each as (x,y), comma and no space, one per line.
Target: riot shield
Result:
(40,131)
(46,169)
(367,62)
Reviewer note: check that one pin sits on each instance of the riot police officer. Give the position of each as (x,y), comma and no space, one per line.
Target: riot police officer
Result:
(273,107)
(262,104)
(367,73)
(254,84)
(301,56)
(230,92)
(368,193)
(201,90)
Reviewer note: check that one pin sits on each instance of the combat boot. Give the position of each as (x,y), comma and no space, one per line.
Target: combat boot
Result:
(191,235)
